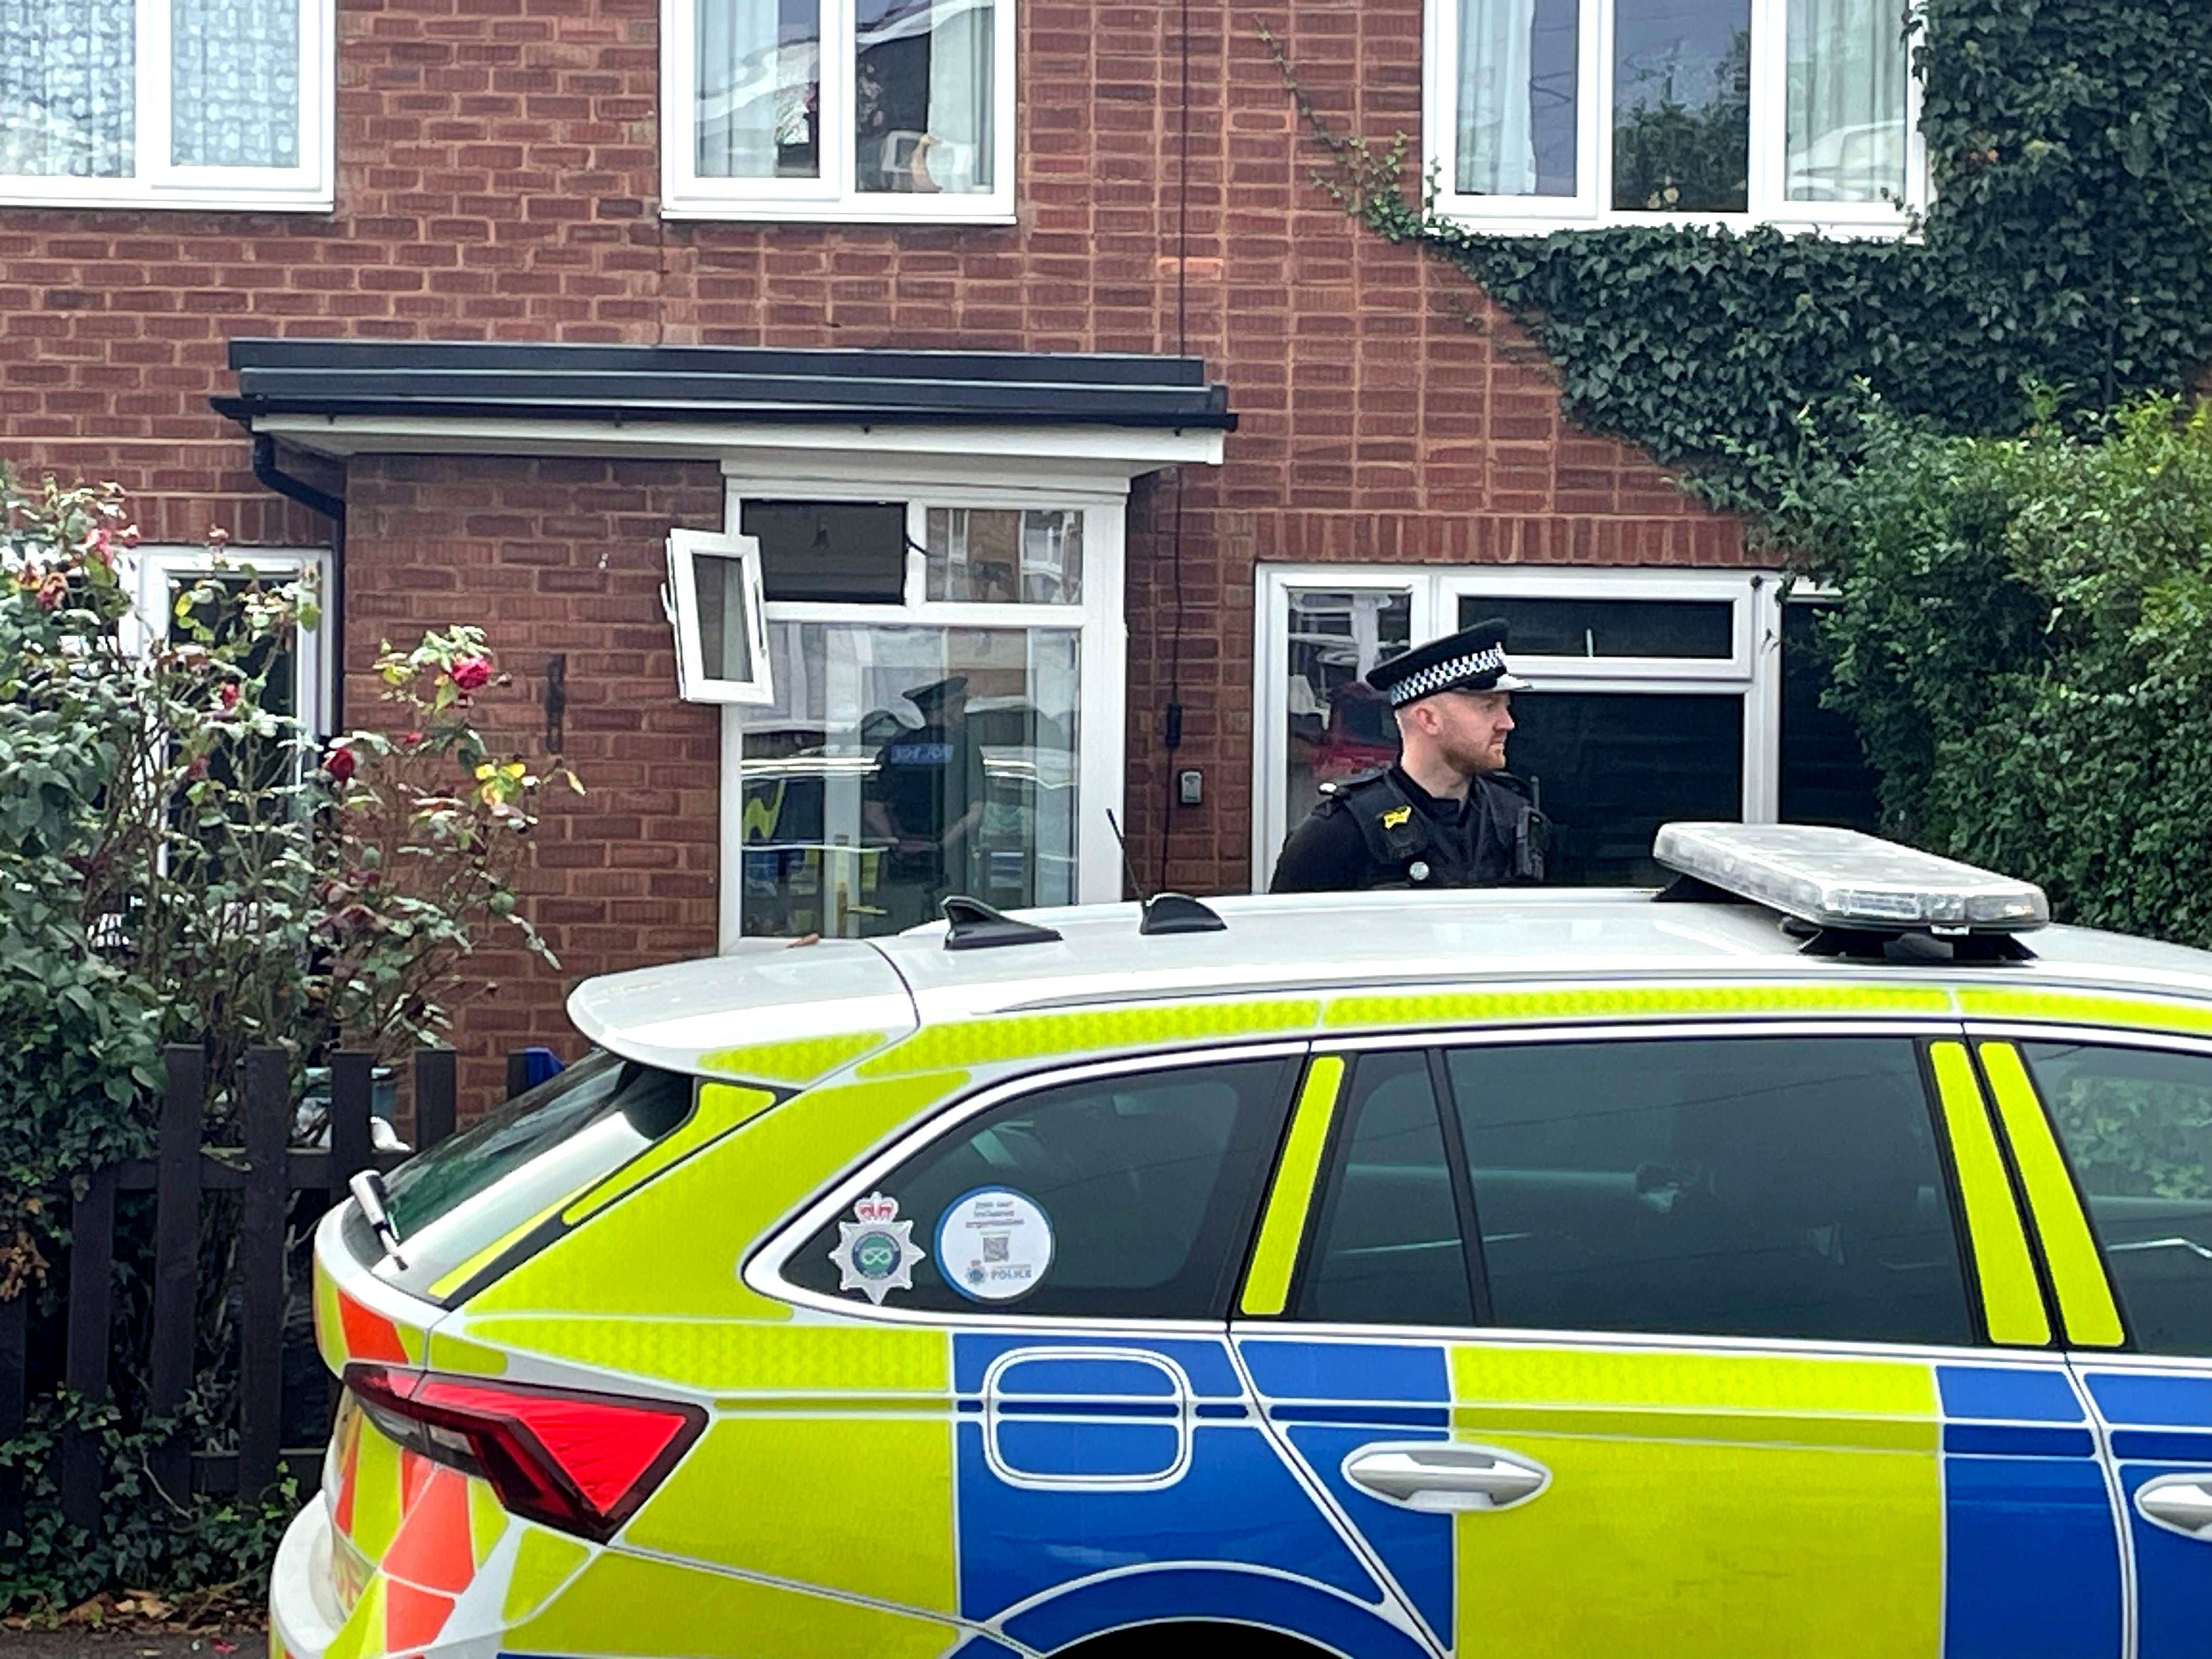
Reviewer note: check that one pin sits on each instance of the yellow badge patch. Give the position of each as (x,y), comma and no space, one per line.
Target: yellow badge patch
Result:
(1396,816)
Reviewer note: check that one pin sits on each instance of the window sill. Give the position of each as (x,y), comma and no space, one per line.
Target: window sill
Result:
(40,193)
(837,213)
(1896,226)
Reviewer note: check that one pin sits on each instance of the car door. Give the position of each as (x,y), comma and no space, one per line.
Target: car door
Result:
(1079,1236)
(1718,1340)
(2132,1276)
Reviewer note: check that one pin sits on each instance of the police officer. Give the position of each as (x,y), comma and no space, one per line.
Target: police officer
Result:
(1446,814)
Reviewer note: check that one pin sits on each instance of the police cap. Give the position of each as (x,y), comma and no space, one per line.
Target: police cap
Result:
(934,696)
(1472,660)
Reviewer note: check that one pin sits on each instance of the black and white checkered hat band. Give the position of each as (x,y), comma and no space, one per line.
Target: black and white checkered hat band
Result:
(1438,675)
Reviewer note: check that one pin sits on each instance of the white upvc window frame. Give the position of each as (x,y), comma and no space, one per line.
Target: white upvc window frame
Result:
(155,182)
(693,683)
(1751,671)
(1101,651)
(149,571)
(833,196)
(1587,208)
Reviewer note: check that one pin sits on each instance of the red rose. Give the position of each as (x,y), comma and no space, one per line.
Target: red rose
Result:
(226,695)
(412,740)
(339,762)
(53,591)
(472,674)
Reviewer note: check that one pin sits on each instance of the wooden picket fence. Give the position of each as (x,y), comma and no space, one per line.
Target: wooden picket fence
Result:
(269,1176)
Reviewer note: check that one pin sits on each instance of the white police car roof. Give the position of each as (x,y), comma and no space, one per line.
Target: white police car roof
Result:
(772,991)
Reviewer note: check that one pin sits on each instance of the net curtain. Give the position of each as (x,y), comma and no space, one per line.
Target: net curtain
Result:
(68,86)
(1497,139)
(1846,99)
(67,69)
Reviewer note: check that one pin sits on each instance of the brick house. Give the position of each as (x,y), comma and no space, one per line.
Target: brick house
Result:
(900,342)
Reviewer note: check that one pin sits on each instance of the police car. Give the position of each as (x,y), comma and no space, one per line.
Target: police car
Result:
(1813,1257)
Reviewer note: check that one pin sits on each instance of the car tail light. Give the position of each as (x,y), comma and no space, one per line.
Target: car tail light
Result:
(582,1462)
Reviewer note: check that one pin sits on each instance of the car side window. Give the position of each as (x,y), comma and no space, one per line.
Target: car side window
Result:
(1774,1186)
(2137,1125)
(1128,1196)
(1387,1247)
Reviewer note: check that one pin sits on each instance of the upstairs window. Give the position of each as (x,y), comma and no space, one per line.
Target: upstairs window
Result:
(1550,113)
(167,103)
(838,109)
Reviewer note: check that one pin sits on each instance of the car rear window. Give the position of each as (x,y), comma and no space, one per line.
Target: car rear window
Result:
(514,1165)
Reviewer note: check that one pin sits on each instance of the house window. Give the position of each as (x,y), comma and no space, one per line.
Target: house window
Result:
(943,713)
(838,109)
(1658,696)
(167,103)
(297,684)
(1549,114)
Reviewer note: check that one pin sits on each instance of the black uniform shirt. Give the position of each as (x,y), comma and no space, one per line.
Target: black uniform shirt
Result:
(1329,853)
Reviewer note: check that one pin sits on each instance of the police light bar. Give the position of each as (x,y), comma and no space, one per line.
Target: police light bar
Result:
(1841,878)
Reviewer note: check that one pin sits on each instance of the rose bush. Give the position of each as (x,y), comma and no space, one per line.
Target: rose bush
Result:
(181,862)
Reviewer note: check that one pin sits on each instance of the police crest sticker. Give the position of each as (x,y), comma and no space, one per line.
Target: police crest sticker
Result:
(994,1244)
(875,1251)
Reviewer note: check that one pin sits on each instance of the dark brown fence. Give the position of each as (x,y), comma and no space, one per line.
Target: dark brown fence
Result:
(277,1186)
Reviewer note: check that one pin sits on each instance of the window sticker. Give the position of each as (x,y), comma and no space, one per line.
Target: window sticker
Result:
(875,1251)
(994,1244)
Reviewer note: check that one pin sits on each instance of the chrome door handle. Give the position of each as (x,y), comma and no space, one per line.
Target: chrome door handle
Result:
(2179,1502)
(1443,1477)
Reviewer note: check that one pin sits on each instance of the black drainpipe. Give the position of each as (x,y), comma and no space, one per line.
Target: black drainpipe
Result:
(332,507)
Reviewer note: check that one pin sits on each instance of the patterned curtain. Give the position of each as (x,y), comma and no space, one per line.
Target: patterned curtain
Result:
(67,87)
(235,83)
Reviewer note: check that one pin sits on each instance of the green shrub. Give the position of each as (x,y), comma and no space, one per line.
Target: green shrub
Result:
(2024,638)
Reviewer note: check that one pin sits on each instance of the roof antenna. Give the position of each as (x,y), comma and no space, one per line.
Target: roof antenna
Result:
(1164,913)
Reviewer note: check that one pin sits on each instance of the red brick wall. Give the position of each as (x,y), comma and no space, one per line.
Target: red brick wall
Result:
(560,556)
(498,178)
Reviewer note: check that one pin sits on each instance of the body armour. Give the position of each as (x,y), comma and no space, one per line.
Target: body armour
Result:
(1502,840)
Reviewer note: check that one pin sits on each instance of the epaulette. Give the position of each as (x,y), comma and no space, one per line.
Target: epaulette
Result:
(1337,789)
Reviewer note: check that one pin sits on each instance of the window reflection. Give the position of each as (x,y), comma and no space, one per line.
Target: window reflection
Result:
(1338,725)
(922,95)
(1681,110)
(900,765)
(759,89)
(1005,556)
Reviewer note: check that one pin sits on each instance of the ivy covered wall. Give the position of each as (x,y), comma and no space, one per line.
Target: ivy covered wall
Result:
(2069,247)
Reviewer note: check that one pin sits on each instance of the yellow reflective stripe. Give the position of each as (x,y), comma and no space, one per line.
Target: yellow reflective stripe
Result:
(454,1278)
(994,1038)
(1267,1286)
(720,1107)
(800,1061)
(2084,1007)
(2070,1249)
(2011,1300)
(1627,1002)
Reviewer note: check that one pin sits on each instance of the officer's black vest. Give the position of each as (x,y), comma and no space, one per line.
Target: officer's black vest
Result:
(1407,847)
